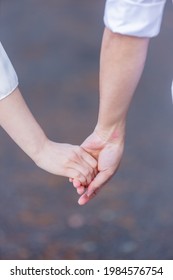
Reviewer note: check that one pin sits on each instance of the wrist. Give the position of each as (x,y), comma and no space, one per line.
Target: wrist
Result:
(39,150)
(111,133)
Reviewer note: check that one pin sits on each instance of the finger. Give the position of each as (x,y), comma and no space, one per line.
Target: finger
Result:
(95,172)
(99,181)
(85,199)
(83,175)
(76,183)
(83,167)
(85,170)
(89,159)
(94,187)
(80,190)
(75,173)
(78,186)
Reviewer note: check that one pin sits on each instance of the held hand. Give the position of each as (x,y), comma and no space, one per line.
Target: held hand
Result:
(108,155)
(67,160)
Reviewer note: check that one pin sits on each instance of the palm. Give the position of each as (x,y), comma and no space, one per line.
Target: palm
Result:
(109,158)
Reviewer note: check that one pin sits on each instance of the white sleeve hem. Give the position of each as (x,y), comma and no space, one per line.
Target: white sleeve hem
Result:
(4,95)
(134,18)
(8,77)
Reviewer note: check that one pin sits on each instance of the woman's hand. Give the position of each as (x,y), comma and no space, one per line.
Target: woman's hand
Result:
(67,160)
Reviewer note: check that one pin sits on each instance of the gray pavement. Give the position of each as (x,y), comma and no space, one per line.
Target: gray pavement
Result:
(54,46)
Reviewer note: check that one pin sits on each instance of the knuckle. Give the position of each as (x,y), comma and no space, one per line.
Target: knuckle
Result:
(78,175)
(91,170)
(73,156)
(77,149)
(87,173)
(94,165)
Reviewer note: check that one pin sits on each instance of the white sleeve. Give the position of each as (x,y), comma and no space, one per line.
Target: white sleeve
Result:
(8,77)
(141,18)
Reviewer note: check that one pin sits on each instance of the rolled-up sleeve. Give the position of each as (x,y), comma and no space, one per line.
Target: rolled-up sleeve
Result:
(8,77)
(141,18)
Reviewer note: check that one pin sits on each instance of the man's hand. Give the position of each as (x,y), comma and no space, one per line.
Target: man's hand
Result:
(108,154)
(122,61)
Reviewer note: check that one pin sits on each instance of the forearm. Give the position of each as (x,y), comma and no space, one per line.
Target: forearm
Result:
(121,64)
(17,120)
(57,158)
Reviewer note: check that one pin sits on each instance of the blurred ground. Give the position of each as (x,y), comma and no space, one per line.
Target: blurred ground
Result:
(54,46)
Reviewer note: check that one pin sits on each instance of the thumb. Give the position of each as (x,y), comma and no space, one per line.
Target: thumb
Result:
(99,181)
(86,146)
(93,142)
(91,147)
(93,189)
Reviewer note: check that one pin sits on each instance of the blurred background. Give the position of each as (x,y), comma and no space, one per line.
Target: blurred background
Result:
(54,46)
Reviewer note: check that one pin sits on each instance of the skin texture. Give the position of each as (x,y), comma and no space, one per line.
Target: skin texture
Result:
(96,161)
(122,61)
(56,158)
(108,155)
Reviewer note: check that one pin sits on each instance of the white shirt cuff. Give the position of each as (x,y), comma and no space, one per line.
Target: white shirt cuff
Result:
(8,77)
(141,18)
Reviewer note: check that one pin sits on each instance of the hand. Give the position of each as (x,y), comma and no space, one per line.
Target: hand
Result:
(67,160)
(108,155)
